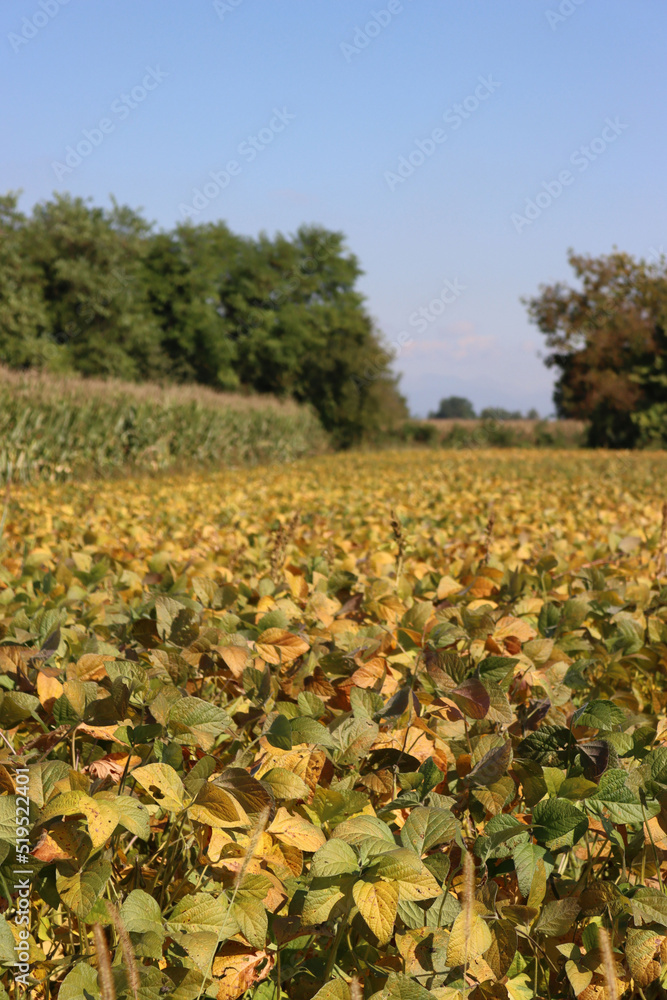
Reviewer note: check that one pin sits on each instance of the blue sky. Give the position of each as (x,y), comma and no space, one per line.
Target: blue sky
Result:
(480,103)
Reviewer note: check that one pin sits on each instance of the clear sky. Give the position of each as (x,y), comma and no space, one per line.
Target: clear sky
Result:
(337,92)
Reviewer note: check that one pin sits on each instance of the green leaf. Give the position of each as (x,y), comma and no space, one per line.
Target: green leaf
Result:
(358,829)
(574,613)
(15,707)
(399,987)
(140,914)
(132,814)
(7,952)
(649,906)
(576,789)
(250,914)
(354,739)
(432,776)
(80,889)
(599,715)
(307,730)
(621,802)
(285,784)
(403,866)
(8,819)
(201,912)
(80,984)
(547,746)
(308,703)
(427,827)
(654,766)
(548,620)
(531,776)
(199,719)
(525,858)
(557,917)
(497,668)
(323,895)
(333,858)
(337,989)
(502,835)
(279,733)
(557,821)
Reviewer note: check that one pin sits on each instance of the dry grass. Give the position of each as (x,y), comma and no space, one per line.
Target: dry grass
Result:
(527,427)
(36,385)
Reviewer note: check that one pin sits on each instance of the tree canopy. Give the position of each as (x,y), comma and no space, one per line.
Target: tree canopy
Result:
(454,408)
(102,292)
(607,339)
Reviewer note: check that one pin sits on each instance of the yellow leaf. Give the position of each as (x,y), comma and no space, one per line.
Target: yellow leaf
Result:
(48,689)
(163,784)
(538,887)
(236,970)
(377,902)
(510,626)
(235,658)
(216,807)
(294,830)
(446,587)
(102,818)
(465,946)
(276,646)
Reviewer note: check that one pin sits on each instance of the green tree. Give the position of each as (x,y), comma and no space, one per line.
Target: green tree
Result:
(301,329)
(23,315)
(454,408)
(500,413)
(185,271)
(102,293)
(89,260)
(607,339)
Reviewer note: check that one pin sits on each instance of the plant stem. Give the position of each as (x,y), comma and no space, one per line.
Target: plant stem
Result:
(331,961)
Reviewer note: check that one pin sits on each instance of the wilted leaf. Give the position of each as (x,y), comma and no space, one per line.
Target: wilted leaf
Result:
(472,698)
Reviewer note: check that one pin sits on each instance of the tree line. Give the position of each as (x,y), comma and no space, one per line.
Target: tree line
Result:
(607,341)
(460,408)
(102,292)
